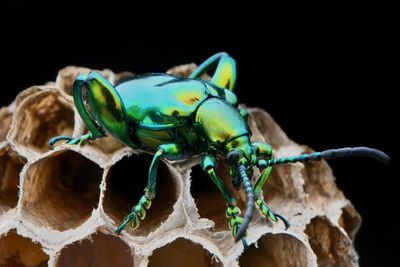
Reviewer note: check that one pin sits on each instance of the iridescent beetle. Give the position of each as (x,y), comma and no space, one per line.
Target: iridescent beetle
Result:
(176,118)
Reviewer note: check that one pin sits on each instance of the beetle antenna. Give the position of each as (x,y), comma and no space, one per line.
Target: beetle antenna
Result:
(331,154)
(248,214)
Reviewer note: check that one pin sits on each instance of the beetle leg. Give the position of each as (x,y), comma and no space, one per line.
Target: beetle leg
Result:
(225,73)
(265,151)
(82,140)
(139,211)
(208,164)
(265,211)
(262,151)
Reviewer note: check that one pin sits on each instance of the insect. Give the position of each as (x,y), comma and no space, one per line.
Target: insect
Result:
(177,118)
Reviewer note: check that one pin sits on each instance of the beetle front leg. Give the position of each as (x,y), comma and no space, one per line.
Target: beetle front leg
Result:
(265,211)
(232,211)
(138,213)
(265,151)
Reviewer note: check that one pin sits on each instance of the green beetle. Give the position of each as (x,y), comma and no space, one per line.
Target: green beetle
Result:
(177,118)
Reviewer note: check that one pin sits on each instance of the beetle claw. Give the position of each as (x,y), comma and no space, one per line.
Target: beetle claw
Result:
(284,220)
(266,212)
(121,227)
(245,244)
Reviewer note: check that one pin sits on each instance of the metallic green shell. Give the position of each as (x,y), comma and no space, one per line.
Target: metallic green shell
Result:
(161,106)
(160,101)
(154,109)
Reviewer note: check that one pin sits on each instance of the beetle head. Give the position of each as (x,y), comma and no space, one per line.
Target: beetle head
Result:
(240,152)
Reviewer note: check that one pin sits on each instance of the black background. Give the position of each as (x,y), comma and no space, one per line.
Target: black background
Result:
(325,72)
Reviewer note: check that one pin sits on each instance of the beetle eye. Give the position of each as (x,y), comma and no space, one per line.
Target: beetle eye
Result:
(233,157)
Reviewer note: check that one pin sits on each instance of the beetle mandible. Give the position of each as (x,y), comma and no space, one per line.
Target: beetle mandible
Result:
(176,118)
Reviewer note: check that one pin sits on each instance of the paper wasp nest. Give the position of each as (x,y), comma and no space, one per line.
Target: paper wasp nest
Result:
(61,207)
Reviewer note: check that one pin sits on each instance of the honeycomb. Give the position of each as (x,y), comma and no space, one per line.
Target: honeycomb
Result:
(61,207)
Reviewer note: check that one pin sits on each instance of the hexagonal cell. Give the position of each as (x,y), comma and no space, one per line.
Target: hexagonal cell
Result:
(99,250)
(61,190)
(209,200)
(5,122)
(10,166)
(21,251)
(40,117)
(350,221)
(126,181)
(275,250)
(329,244)
(183,252)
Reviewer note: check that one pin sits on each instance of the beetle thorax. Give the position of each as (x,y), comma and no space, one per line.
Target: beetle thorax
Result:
(219,122)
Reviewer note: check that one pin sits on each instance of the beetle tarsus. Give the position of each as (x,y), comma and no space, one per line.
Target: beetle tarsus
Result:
(233,212)
(138,213)
(82,140)
(266,212)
